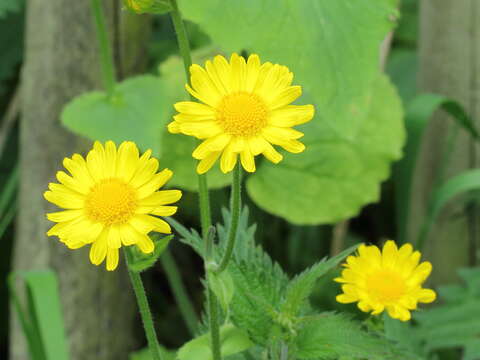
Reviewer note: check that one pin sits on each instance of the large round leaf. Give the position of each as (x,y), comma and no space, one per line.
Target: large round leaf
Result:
(332,47)
(132,113)
(335,176)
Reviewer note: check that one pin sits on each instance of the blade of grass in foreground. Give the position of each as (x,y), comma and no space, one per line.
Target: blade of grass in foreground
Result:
(418,114)
(41,316)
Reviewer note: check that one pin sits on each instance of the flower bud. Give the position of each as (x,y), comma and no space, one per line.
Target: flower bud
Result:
(148,6)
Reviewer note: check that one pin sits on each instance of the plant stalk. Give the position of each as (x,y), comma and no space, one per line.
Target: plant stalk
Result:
(235,205)
(144,308)
(205,216)
(106,58)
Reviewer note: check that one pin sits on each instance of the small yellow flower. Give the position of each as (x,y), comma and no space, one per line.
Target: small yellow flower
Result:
(246,108)
(110,198)
(389,280)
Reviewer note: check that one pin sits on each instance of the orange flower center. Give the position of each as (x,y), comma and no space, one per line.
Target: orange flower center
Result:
(386,286)
(242,114)
(111,202)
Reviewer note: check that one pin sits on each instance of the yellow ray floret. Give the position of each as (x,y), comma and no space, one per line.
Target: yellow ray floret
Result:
(245,108)
(109,199)
(389,280)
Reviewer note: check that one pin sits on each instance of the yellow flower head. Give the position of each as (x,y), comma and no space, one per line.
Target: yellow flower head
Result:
(246,108)
(109,199)
(388,280)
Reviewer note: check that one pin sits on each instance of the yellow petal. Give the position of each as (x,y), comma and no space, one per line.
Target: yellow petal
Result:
(127,160)
(66,215)
(203,85)
(228,160)
(112,259)
(156,182)
(207,162)
(98,250)
(271,154)
(214,144)
(247,160)
(165,210)
(194,108)
(291,115)
(145,244)
(163,197)
(285,97)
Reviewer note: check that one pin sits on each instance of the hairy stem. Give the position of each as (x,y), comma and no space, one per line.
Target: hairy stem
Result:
(144,308)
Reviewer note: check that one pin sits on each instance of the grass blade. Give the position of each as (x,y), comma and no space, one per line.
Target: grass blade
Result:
(418,114)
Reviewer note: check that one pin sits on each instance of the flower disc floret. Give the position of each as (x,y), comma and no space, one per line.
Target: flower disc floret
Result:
(389,280)
(111,198)
(244,110)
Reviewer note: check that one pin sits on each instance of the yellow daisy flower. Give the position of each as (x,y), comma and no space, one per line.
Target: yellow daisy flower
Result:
(245,110)
(388,280)
(109,199)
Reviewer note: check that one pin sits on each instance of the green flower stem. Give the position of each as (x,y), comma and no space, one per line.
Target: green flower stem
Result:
(235,205)
(205,216)
(108,67)
(144,307)
(179,292)
(184,47)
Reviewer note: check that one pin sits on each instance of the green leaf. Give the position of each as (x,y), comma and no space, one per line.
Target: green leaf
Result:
(357,131)
(335,176)
(144,354)
(141,262)
(10,6)
(132,113)
(233,341)
(455,323)
(300,288)
(330,336)
(457,185)
(223,287)
(305,35)
(11,46)
(41,318)
(418,114)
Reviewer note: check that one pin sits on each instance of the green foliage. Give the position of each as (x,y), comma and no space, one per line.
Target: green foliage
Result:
(300,288)
(233,341)
(456,323)
(11,44)
(145,354)
(10,6)
(402,67)
(337,175)
(130,114)
(464,183)
(345,160)
(148,6)
(331,336)
(141,262)
(223,288)
(41,317)
(419,112)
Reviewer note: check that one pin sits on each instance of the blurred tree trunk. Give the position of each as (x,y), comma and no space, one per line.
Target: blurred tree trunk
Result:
(61,61)
(449,65)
